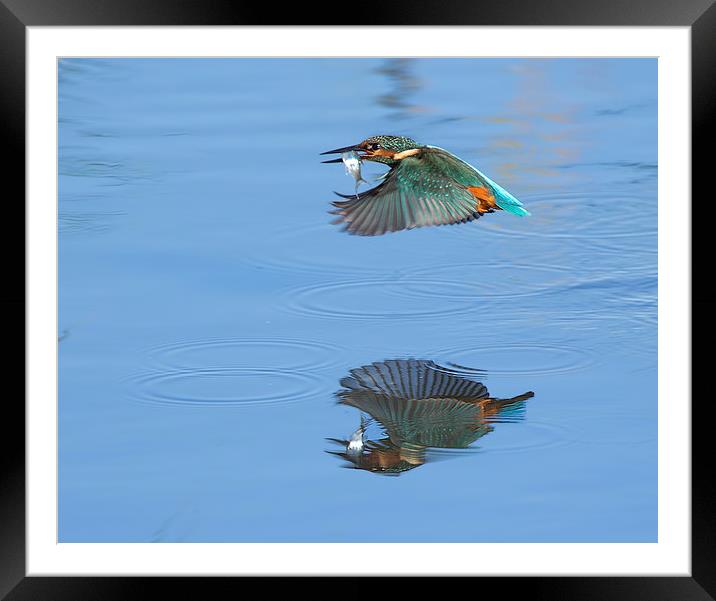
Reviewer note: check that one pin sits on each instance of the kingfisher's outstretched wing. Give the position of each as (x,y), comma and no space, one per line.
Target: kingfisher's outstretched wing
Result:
(411,379)
(432,187)
(492,194)
(416,192)
(418,402)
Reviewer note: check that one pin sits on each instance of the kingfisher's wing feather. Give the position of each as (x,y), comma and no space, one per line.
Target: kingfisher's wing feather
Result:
(422,403)
(418,402)
(468,176)
(417,192)
(504,199)
(411,379)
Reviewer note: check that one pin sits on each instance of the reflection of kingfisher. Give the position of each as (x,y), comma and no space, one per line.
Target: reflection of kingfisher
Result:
(420,405)
(426,185)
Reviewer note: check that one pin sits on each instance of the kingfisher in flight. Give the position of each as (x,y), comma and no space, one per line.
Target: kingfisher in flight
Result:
(419,405)
(425,185)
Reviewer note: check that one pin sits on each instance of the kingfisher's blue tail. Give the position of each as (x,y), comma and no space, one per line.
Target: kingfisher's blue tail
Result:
(505,200)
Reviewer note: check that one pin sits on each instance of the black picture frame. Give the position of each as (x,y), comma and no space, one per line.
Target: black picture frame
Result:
(699,15)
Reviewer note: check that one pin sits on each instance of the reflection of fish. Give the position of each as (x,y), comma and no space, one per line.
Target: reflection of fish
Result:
(355,442)
(352,163)
(426,185)
(420,405)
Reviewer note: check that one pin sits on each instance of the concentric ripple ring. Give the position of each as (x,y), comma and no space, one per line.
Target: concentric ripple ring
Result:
(243,353)
(225,388)
(548,359)
(332,300)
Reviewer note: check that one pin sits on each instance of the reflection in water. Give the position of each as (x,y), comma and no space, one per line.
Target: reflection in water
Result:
(403,85)
(419,405)
(536,132)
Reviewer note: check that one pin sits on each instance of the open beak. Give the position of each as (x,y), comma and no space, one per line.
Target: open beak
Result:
(354,148)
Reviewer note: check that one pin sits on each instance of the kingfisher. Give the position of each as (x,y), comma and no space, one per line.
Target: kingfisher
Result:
(420,405)
(425,185)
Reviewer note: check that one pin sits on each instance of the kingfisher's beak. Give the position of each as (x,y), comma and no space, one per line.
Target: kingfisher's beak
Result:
(354,148)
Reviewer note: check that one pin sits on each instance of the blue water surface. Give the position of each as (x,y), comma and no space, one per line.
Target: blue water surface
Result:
(209,309)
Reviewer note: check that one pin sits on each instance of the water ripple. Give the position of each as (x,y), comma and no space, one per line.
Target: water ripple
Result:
(312,258)
(487,281)
(517,359)
(610,217)
(379,299)
(238,387)
(85,222)
(533,435)
(243,353)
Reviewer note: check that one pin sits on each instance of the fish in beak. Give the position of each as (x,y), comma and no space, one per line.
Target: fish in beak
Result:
(353,148)
(356,443)
(352,161)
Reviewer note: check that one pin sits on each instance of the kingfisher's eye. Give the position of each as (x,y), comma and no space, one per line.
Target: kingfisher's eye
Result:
(373,146)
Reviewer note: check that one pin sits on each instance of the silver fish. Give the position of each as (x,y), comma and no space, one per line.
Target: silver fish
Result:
(356,442)
(352,162)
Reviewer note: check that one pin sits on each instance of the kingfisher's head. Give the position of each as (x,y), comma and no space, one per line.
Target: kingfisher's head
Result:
(381,149)
(383,457)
